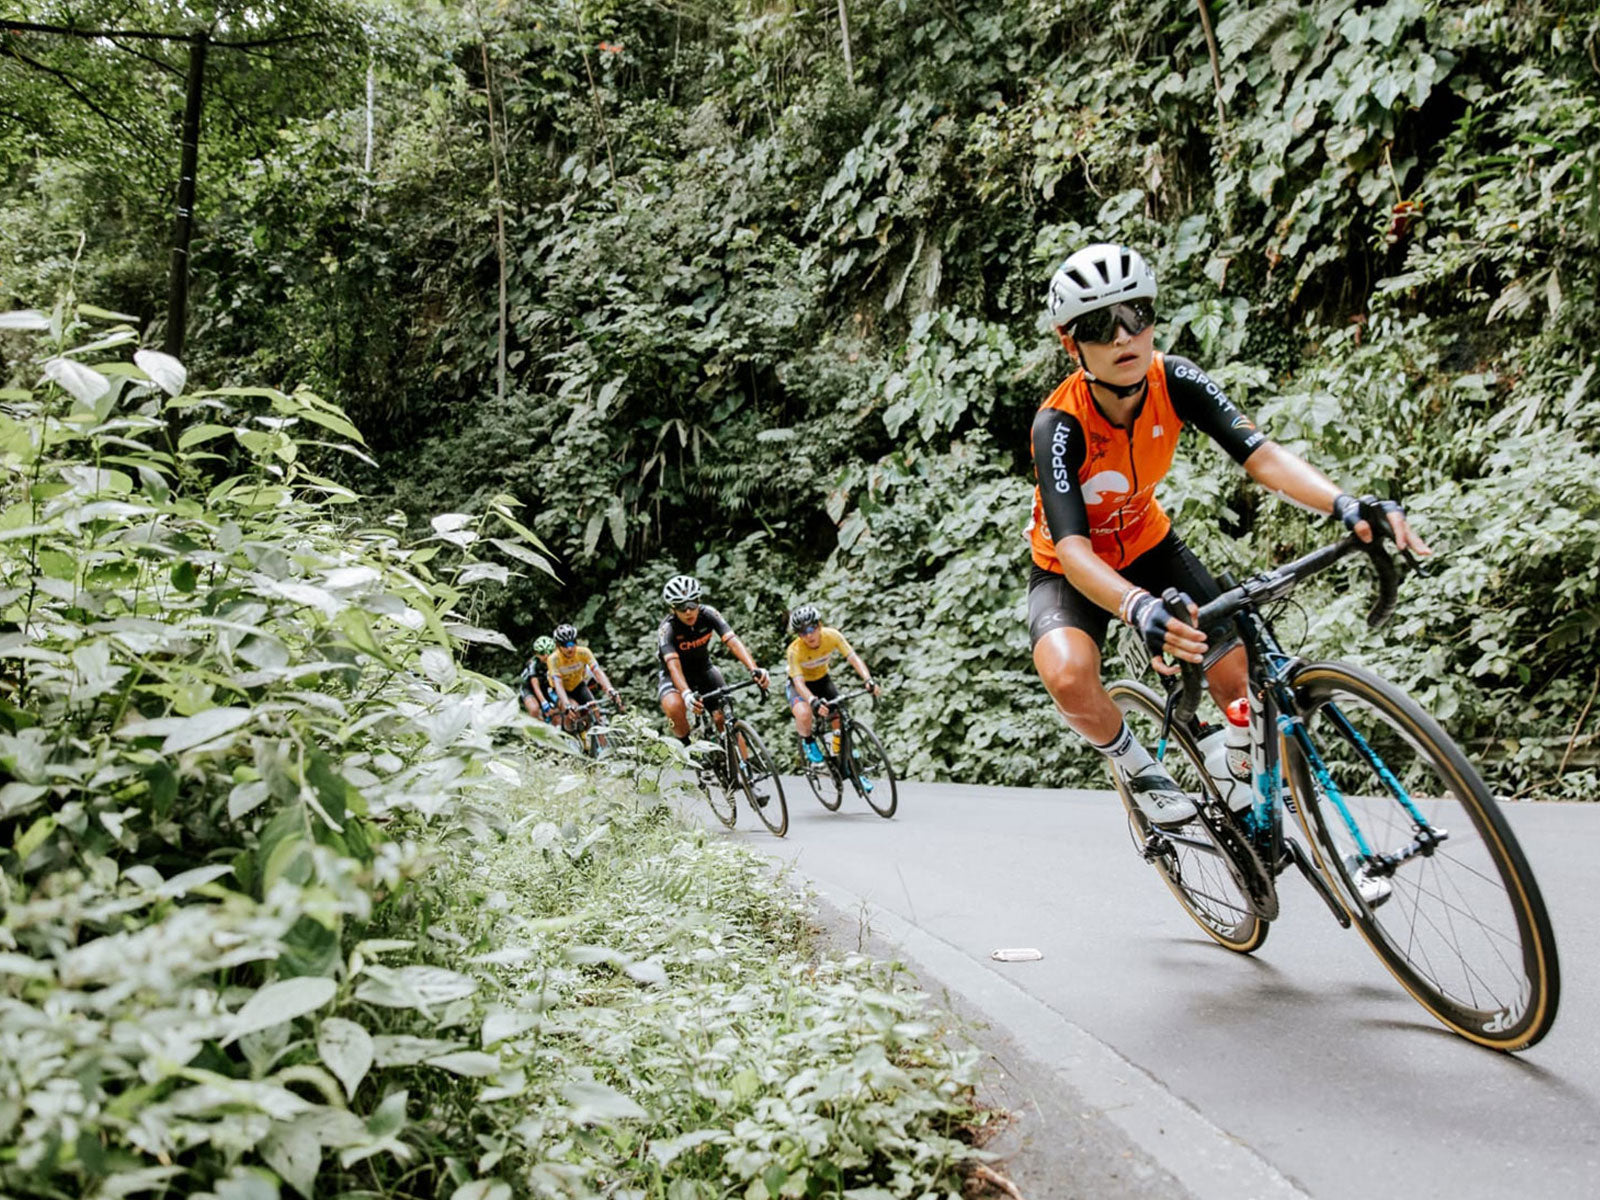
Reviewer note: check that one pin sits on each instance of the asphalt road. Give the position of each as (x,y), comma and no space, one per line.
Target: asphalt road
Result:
(1303,1069)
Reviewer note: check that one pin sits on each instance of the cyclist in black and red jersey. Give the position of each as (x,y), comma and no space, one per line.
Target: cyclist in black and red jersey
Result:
(683,646)
(1101,543)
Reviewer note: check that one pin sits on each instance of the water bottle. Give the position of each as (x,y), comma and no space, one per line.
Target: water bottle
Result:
(1227,757)
(1238,739)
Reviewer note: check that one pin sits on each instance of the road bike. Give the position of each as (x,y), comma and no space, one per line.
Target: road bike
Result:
(586,724)
(737,763)
(1389,807)
(859,761)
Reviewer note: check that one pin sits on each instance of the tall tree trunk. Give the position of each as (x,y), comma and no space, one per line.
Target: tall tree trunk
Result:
(500,225)
(844,36)
(1216,66)
(183,223)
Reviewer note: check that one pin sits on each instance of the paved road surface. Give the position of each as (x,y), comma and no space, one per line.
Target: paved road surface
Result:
(1302,1069)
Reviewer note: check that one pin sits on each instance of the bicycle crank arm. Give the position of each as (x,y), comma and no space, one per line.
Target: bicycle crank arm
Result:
(1296,854)
(1241,860)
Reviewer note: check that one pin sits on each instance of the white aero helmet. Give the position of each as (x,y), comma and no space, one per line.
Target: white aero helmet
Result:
(681,589)
(1096,276)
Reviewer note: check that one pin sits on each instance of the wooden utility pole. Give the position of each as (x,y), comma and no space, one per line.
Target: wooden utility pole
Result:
(193,107)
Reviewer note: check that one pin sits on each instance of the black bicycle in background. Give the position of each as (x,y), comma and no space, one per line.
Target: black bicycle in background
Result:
(860,759)
(737,764)
(586,724)
(1404,839)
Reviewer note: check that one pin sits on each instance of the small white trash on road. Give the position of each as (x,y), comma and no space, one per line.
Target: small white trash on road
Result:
(1020,954)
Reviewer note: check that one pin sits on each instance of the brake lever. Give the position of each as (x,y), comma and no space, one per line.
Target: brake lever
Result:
(1420,566)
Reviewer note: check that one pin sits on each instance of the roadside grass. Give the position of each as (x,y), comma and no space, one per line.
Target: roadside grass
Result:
(653,1019)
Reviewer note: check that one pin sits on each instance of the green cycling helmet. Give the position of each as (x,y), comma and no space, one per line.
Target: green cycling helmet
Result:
(545,645)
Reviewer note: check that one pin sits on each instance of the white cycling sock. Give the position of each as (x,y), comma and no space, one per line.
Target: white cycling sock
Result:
(1126,751)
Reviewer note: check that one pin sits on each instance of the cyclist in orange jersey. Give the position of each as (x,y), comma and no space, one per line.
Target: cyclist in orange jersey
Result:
(1102,544)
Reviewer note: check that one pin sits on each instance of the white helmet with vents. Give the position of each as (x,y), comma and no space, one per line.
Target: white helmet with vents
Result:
(680,590)
(1096,276)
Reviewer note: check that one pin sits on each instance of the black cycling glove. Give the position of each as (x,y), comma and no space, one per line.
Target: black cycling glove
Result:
(1150,617)
(1348,509)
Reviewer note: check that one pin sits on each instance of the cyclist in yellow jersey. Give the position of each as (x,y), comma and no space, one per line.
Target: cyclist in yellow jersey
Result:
(810,686)
(572,667)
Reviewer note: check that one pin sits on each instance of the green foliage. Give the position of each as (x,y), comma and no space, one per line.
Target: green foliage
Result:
(271,914)
(741,282)
(92,146)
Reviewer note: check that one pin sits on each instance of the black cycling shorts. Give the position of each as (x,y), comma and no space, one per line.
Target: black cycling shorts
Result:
(707,681)
(581,694)
(1054,603)
(823,689)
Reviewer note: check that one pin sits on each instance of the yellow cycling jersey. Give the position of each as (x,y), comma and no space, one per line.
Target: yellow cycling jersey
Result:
(573,668)
(811,665)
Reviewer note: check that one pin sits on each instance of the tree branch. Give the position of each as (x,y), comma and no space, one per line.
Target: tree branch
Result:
(149,58)
(74,86)
(93,34)
(152,35)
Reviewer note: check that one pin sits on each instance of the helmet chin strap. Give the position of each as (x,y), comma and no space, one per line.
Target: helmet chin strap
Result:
(1120,390)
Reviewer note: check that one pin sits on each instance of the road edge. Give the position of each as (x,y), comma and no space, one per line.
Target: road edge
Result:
(1086,1120)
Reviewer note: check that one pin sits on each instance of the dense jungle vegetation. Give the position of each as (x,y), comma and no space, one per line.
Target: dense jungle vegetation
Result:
(501,313)
(753,289)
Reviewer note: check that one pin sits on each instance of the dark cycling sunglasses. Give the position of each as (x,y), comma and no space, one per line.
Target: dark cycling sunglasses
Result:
(811,628)
(683,608)
(568,645)
(1100,326)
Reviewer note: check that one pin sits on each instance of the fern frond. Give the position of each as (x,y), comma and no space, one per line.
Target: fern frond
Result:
(1244,28)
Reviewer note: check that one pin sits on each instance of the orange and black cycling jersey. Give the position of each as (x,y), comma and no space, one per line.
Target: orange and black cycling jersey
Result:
(1098,480)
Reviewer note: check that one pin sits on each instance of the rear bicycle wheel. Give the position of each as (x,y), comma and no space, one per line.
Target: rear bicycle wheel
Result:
(1197,869)
(758,776)
(1385,793)
(824,782)
(871,772)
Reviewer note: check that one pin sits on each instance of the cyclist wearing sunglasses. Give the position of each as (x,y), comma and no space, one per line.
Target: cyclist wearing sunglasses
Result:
(534,686)
(572,667)
(810,686)
(683,647)
(1101,543)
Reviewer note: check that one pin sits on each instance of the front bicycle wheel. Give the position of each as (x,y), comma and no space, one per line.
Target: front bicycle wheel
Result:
(1393,808)
(870,771)
(824,781)
(711,772)
(758,776)
(1197,869)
